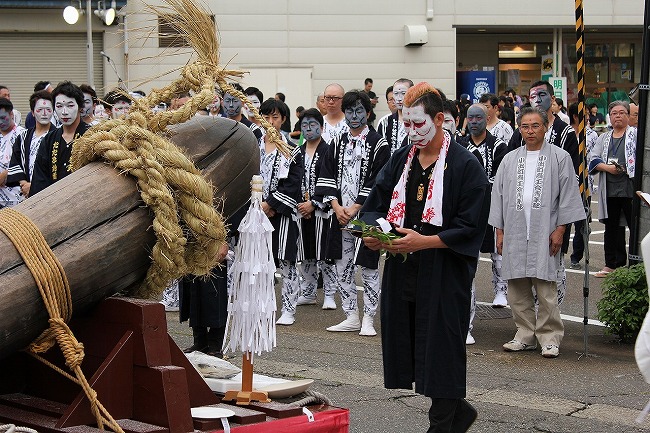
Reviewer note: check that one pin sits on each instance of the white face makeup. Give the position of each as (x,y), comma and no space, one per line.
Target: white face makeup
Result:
(67,109)
(5,119)
(399,91)
(310,129)
(120,108)
(88,105)
(100,112)
(540,97)
(419,126)
(255,101)
(43,111)
(356,117)
(449,123)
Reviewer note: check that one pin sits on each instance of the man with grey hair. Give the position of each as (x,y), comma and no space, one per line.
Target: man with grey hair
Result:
(534,195)
(613,159)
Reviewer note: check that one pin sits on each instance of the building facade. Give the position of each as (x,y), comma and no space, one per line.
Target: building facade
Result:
(299,46)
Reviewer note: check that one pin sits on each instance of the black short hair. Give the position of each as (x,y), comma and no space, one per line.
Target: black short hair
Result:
(272,105)
(237,86)
(367,80)
(254,91)
(573,111)
(389,89)
(85,88)
(450,106)
(70,90)
(548,85)
(489,97)
(41,85)
(312,112)
(115,96)
(41,94)
(300,109)
(350,100)
(6,104)
(281,96)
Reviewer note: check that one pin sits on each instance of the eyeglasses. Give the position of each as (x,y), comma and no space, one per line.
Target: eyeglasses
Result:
(618,113)
(533,127)
(333,98)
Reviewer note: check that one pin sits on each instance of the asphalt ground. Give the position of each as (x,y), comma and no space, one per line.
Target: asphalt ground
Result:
(602,392)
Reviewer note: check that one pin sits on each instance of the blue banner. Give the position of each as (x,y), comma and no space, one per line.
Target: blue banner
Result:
(475,83)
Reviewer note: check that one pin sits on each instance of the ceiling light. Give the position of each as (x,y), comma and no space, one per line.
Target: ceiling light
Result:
(71,15)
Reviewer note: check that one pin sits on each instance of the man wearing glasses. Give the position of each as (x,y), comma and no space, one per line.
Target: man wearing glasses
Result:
(335,118)
(559,133)
(535,194)
(613,158)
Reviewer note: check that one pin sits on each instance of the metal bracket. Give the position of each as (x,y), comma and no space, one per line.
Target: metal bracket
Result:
(633,257)
(644,86)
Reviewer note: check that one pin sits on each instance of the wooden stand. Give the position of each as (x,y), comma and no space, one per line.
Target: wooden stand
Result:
(142,378)
(246,396)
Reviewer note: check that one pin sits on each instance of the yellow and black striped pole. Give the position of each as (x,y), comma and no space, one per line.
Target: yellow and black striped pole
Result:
(583,178)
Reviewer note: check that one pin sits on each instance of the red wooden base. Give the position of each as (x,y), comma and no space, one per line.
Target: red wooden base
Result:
(141,377)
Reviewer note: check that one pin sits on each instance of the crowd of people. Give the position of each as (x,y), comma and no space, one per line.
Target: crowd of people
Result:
(451,179)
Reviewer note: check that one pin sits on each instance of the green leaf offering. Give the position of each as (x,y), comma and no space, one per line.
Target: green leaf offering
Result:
(371,231)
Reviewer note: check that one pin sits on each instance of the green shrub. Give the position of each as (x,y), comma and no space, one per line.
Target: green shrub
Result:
(625,302)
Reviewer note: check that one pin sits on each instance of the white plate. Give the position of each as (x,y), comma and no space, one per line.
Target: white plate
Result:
(287,389)
(209,412)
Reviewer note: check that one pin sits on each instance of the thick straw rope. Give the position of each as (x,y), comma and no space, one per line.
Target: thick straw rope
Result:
(55,291)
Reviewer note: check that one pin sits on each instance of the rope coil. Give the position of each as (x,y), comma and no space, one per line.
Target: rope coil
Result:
(53,286)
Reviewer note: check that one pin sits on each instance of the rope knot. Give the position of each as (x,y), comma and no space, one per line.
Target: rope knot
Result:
(72,349)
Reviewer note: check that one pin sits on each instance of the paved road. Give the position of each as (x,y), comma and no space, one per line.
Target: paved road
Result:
(602,393)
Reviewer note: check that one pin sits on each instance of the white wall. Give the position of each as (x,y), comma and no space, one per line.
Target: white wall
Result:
(338,41)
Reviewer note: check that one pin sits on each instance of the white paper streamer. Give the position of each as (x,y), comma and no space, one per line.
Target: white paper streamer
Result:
(251,309)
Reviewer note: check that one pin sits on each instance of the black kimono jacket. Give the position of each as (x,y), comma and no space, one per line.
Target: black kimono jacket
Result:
(433,355)
(313,231)
(375,155)
(283,198)
(496,150)
(53,158)
(19,165)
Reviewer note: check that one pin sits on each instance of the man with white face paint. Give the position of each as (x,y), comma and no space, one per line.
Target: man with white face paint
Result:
(559,134)
(232,108)
(314,216)
(392,127)
(451,119)
(347,175)
(9,196)
(255,97)
(119,103)
(53,158)
(489,151)
(27,144)
(434,194)
(90,102)
(334,119)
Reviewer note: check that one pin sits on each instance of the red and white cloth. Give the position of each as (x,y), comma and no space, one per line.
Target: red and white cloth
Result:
(432,213)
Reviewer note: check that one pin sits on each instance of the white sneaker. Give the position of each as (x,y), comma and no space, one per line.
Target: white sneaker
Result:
(351,323)
(305,301)
(469,340)
(286,319)
(329,303)
(368,326)
(500,300)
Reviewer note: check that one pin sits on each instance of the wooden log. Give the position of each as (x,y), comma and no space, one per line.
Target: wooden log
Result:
(99,228)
